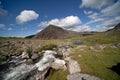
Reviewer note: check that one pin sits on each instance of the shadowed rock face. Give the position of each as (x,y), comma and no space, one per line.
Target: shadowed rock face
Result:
(80,76)
(116,28)
(116,68)
(52,32)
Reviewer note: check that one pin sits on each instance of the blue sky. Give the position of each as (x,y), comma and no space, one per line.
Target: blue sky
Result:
(26,17)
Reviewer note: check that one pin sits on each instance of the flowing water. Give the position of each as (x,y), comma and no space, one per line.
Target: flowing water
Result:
(22,71)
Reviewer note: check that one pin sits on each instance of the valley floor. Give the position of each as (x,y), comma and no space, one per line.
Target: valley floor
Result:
(95,55)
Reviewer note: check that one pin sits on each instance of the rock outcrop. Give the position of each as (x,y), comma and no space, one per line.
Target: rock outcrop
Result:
(73,66)
(80,76)
(25,55)
(58,64)
(34,56)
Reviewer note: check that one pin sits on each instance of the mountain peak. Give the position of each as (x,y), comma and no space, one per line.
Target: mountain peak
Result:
(53,27)
(52,32)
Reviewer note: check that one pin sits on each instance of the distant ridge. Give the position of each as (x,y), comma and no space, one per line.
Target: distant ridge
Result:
(30,36)
(56,32)
(52,32)
(116,29)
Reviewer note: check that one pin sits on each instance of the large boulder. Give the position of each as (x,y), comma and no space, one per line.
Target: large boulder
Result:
(25,55)
(73,66)
(58,64)
(42,74)
(80,76)
(34,56)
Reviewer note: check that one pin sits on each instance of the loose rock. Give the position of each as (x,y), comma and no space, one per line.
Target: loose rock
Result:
(80,76)
(25,55)
(73,66)
(59,64)
(34,56)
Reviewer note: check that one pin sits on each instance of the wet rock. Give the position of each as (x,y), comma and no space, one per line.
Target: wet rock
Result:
(73,66)
(41,76)
(80,76)
(29,61)
(116,45)
(58,64)
(15,59)
(25,55)
(34,56)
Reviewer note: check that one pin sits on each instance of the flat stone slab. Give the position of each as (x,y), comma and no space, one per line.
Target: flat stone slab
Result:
(73,66)
(58,64)
(81,76)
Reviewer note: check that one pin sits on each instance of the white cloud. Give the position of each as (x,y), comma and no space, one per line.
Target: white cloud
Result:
(9,29)
(88,12)
(26,15)
(112,10)
(2,26)
(95,3)
(111,22)
(12,24)
(82,28)
(96,20)
(94,16)
(66,22)
(105,23)
(44,23)
(39,30)
(107,18)
(3,12)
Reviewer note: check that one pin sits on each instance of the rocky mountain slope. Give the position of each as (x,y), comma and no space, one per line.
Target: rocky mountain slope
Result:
(116,29)
(56,32)
(52,32)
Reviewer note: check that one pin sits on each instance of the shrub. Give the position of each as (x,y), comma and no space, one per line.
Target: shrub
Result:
(46,47)
(29,50)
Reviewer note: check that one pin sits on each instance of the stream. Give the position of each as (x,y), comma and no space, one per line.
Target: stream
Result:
(23,71)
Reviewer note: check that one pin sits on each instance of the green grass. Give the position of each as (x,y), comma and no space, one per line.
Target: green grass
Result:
(58,75)
(97,63)
(91,62)
(101,38)
(48,47)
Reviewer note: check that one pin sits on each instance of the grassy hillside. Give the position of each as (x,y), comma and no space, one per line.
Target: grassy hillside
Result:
(94,62)
(98,62)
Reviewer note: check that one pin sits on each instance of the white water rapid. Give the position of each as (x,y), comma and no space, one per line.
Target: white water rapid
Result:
(22,71)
